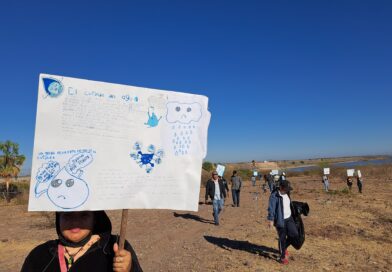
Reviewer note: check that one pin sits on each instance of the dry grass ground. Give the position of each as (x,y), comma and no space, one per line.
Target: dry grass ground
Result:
(344,232)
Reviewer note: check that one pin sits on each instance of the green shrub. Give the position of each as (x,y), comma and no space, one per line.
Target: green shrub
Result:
(208,166)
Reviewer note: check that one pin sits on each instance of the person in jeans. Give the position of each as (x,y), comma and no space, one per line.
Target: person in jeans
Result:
(271,183)
(326,183)
(216,191)
(280,210)
(236,183)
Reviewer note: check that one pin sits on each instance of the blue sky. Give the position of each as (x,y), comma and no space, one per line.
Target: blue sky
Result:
(285,79)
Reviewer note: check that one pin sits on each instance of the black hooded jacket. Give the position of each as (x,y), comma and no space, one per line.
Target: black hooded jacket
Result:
(98,258)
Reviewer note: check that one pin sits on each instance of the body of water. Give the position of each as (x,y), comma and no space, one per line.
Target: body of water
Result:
(353,164)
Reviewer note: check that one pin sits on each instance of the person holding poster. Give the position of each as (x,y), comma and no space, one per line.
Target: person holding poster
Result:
(253,179)
(359,184)
(84,243)
(349,183)
(216,191)
(326,183)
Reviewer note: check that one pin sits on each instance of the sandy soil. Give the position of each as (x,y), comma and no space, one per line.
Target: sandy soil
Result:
(344,232)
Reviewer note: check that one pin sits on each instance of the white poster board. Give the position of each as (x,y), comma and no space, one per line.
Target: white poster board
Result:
(220,169)
(101,146)
(275,172)
(350,172)
(359,174)
(326,171)
(255,173)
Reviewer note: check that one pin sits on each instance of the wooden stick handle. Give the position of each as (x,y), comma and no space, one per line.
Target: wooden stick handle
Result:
(123,230)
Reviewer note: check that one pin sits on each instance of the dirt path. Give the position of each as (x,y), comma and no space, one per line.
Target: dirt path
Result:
(345,232)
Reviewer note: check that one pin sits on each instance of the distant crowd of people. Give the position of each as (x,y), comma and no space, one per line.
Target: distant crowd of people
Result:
(349,182)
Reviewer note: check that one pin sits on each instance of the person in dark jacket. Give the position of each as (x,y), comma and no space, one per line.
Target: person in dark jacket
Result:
(225,185)
(216,191)
(271,182)
(359,184)
(236,184)
(85,244)
(349,183)
(280,211)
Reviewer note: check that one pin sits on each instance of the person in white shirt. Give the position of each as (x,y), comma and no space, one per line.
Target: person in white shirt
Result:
(280,212)
(216,191)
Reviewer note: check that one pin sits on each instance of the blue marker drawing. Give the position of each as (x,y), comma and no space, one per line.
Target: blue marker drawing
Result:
(53,87)
(184,118)
(64,187)
(153,120)
(147,160)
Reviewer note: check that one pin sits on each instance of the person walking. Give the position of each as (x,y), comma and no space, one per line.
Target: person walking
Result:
(225,185)
(326,183)
(280,210)
(271,182)
(236,184)
(216,191)
(359,184)
(349,183)
(253,179)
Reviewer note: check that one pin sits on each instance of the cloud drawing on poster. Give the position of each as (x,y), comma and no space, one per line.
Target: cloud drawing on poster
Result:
(183,113)
(183,118)
(64,186)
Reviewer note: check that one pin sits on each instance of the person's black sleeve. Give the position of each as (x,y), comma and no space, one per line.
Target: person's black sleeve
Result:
(207,190)
(135,262)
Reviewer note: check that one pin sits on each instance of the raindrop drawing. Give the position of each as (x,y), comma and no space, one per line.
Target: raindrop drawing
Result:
(183,119)
(53,87)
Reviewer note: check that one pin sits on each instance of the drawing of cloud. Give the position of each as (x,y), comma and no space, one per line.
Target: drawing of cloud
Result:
(77,162)
(183,113)
(45,174)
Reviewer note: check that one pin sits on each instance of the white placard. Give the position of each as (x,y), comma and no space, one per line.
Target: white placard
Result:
(101,146)
(326,171)
(359,174)
(255,173)
(350,172)
(220,169)
(275,172)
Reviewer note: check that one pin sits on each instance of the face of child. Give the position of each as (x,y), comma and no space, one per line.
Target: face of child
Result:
(75,226)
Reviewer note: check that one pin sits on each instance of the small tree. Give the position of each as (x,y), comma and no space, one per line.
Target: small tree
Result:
(10,162)
(208,166)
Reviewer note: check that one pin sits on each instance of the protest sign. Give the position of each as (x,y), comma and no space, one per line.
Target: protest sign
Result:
(109,146)
(350,172)
(255,173)
(359,174)
(274,172)
(220,169)
(326,171)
